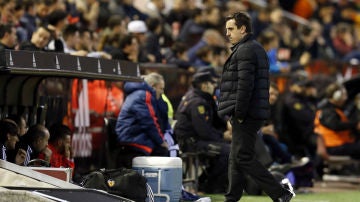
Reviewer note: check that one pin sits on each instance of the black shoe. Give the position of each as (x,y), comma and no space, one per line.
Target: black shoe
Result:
(289,191)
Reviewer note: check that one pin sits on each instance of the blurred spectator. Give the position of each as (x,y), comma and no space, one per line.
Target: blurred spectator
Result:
(270,41)
(139,30)
(298,114)
(8,40)
(271,128)
(261,21)
(28,21)
(152,8)
(343,40)
(193,28)
(39,40)
(17,155)
(282,59)
(210,37)
(7,9)
(89,13)
(57,21)
(128,49)
(204,57)
(8,137)
(212,18)
(71,38)
(115,27)
(126,9)
(42,10)
(334,126)
(178,55)
(152,43)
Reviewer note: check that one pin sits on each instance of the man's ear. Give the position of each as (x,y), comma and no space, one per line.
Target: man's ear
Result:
(243,29)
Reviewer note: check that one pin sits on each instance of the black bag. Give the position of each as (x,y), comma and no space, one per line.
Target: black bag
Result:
(123,182)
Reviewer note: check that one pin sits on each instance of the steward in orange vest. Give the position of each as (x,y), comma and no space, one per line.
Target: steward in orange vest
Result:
(332,124)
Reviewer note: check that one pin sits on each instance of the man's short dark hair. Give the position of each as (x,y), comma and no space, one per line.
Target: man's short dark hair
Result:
(241,18)
(56,16)
(7,126)
(5,28)
(35,133)
(58,131)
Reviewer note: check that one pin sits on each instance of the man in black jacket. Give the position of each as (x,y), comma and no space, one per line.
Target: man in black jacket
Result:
(8,40)
(244,98)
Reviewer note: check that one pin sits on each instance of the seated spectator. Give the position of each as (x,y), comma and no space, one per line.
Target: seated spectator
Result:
(60,146)
(141,123)
(39,40)
(17,155)
(34,142)
(178,55)
(7,41)
(334,126)
(57,20)
(270,130)
(139,30)
(128,49)
(210,37)
(8,137)
(204,57)
(198,128)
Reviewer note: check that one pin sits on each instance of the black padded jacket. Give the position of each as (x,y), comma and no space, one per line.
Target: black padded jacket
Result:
(244,88)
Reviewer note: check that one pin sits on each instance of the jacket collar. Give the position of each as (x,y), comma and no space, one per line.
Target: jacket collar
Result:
(245,38)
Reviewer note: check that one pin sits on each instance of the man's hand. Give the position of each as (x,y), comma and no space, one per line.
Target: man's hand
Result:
(228,135)
(68,153)
(47,154)
(165,144)
(20,157)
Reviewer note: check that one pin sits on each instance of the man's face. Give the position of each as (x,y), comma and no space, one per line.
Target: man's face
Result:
(273,95)
(234,33)
(159,88)
(12,140)
(41,38)
(64,144)
(209,87)
(12,38)
(42,143)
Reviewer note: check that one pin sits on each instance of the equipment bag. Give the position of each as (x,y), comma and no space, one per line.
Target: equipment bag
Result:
(122,182)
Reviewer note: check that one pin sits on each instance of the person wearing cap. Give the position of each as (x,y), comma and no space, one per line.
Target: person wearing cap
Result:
(138,29)
(298,113)
(199,129)
(244,99)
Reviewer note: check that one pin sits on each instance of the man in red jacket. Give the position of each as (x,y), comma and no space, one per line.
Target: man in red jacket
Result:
(60,145)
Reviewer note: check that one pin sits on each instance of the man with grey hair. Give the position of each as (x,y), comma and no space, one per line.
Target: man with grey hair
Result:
(142,121)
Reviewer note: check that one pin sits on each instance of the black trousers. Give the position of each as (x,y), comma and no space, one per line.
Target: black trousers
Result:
(243,161)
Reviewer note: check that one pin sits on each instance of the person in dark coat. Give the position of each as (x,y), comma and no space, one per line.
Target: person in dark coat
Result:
(141,124)
(244,99)
(8,40)
(199,129)
(39,40)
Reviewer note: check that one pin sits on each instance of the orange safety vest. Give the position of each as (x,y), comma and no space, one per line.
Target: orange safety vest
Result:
(331,137)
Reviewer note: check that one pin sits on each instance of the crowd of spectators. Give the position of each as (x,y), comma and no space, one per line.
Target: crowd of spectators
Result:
(156,30)
(190,35)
